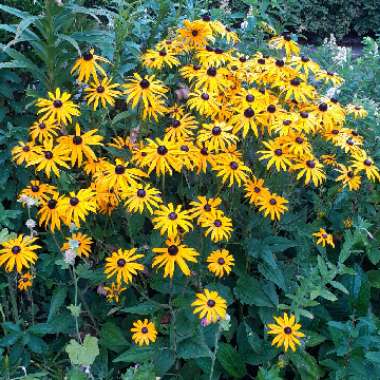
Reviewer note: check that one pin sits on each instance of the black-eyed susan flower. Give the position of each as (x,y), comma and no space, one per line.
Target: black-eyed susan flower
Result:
(286,332)
(76,206)
(175,254)
(362,162)
(272,205)
(170,219)
(50,158)
(304,64)
(310,168)
(103,92)
(158,59)
(57,107)
(94,166)
(42,130)
(143,332)
(348,177)
(25,282)
(285,42)
(324,238)
(123,264)
(121,143)
(181,128)
(204,207)
(80,243)
(19,253)
(356,111)
(230,169)
(217,136)
(79,145)
(147,90)
(245,119)
(195,33)
(25,152)
(210,305)
(50,214)
(255,189)
(114,291)
(87,65)
(277,154)
(329,77)
(212,79)
(38,190)
(161,156)
(139,198)
(155,108)
(205,103)
(210,57)
(218,226)
(220,262)
(296,88)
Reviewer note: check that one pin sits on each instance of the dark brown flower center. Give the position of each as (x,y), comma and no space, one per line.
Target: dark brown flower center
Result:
(350,174)
(221,261)
(305,59)
(323,107)
(144,330)
(299,140)
(77,140)
(367,162)
(257,190)
(26,148)
(144,83)
(271,108)
(216,131)
(42,125)
(141,193)
(324,236)
(272,201)
(57,103)
(249,98)
(74,201)
(48,155)
(278,152)
(217,223)
(88,56)
(184,148)
(172,250)
(210,303)
(207,207)
(280,63)
(172,216)
(310,164)
(205,96)
(121,263)
(287,122)
(194,33)
(295,82)
(211,72)
(162,53)
(100,89)
(204,151)
(249,112)
(52,203)
(234,165)
(35,188)
(162,150)
(287,330)
(261,61)
(16,249)
(304,115)
(175,123)
(119,169)
(206,17)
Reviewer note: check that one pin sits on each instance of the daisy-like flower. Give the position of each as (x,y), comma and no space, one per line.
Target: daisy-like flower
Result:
(190,72)
(144,332)
(272,205)
(79,145)
(119,176)
(78,205)
(348,178)
(58,107)
(18,253)
(79,242)
(91,167)
(220,262)
(38,190)
(146,89)
(170,219)
(285,42)
(304,64)
(123,264)
(212,80)
(25,281)
(245,119)
(155,108)
(176,253)
(286,332)
(50,214)
(276,154)
(329,77)
(255,189)
(231,169)
(362,162)
(25,152)
(297,89)
(218,226)
(158,59)
(181,128)
(87,65)
(43,130)
(141,197)
(217,136)
(210,57)
(195,33)
(329,159)
(103,91)
(50,158)
(324,238)
(161,155)
(204,207)
(311,168)
(113,292)
(358,112)
(210,305)
(204,102)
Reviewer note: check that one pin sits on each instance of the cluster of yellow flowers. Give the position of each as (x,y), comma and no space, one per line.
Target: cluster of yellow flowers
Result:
(231,100)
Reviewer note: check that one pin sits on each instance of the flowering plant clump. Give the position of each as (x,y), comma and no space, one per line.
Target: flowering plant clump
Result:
(214,144)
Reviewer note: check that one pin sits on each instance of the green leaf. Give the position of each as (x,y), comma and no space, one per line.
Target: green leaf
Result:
(191,349)
(143,372)
(271,374)
(136,354)
(57,301)
(75,310)
(112,337)
(373,254)
(306,365)
(250,292)
(374,278)
(231,361)
(142,309)
(85,353)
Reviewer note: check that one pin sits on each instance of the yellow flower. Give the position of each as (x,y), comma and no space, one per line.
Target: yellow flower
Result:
(218,226)
(50,212)
(79,145)
(356,111)
(285,42)
(255,190)
(174,253)
(87,65)
(146,89)
(38,190)
(212,79)
(347,223)
(329,76)
(103,91)
(210,305)
(217,136)
(348,177)
(195,33)
(204,207)
(141,197)
(181,127)
(210,57)
(272,205)
(362,162)
(172,220)
(324,238)
(277,155)
(245,119)
(204,102)
(81,243)
(231,169)
(18,253)
(58,107)
(311,168)
(113,292)
(286,332)
(220,262)
(25,282)
(78,205)
(157,59)
(304,64)
(144,332)
(124,265)
(42,130)
(25,152)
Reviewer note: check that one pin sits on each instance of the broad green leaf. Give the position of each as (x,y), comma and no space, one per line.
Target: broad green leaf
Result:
(249,291)
(231,361)
(136,354)
(85,353)
(57,301)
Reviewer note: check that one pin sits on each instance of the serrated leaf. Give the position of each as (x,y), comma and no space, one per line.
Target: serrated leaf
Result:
(249,291)
(231,361)
(85,353)
(136,354)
